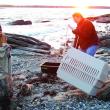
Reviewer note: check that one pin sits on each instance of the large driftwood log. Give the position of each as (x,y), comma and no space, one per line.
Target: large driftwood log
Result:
(22,37)
(24,41)
(26,38)
(18,42)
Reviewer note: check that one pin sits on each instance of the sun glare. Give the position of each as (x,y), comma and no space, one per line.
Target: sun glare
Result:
(81,3)
(81,6)
(84,11)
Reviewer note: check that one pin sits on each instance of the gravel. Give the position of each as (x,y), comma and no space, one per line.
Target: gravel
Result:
(28,64)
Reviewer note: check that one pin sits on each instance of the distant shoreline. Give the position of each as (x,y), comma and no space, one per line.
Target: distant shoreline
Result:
(47,6)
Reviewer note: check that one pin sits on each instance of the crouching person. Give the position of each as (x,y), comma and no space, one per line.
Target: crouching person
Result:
(6,82)
(86,38)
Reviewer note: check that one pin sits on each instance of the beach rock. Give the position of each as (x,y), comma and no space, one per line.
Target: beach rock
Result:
(100,19)
(19,77)
(45,21)
(105,43)
(25,90)
(44,78)
(28,22)
(60,96)
(92,18)
(103,20)
(100,52)
(44,75)
(33,80)
(57,52)
(21,22)
(65,18)
(50,93)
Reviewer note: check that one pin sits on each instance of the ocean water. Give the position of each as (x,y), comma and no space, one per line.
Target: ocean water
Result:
(54,32)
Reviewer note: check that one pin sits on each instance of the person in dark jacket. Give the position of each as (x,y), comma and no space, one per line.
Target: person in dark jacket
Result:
(86,36)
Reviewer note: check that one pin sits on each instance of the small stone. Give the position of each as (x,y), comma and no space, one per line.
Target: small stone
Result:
(18,108)
(44,75)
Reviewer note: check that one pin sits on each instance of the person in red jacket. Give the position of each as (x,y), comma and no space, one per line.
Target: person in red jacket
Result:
(86,36)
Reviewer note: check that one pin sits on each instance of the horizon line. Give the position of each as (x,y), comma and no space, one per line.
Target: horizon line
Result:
(53,6)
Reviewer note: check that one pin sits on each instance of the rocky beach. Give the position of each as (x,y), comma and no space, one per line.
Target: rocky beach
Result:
(33,42)
(47,92)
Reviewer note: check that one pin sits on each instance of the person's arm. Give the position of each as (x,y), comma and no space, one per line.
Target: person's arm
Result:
(76,39)
(84,30)
(74,31)
(76,42)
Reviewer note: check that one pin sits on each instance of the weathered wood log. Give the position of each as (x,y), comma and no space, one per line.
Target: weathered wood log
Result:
(17,42)
(40,45)
(26,41)
(21,36)
(44,43)
(43,47)
(14,46)
(33,50)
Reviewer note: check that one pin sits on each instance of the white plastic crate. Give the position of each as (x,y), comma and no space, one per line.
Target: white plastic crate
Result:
(83,71)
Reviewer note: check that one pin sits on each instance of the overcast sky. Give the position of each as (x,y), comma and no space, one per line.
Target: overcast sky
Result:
(57,2)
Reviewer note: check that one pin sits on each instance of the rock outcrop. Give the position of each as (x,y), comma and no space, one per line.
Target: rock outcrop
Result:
(101,19)
(21,22)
